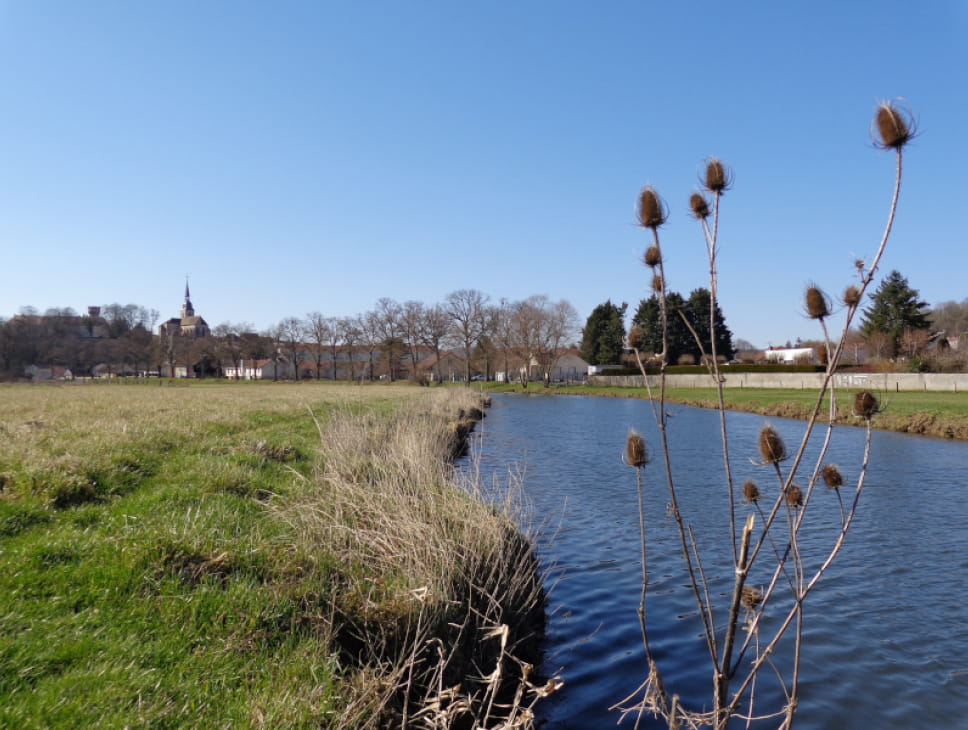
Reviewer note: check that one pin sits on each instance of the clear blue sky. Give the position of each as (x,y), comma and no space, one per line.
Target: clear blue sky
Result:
(300,156)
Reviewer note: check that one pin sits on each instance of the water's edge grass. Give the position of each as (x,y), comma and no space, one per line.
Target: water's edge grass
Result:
(937,414)
(274,556)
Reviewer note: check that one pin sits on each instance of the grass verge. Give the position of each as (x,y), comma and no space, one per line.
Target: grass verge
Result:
(253,556)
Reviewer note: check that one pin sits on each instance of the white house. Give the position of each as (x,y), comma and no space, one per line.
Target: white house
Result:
(790,355)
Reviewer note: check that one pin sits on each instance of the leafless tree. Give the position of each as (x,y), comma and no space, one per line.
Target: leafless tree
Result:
(289,334)
(231,346)
(318,335)
(541,329)
(387,320)
(412,315)
(434,329)
(468,311)
(502,332)
(369,337)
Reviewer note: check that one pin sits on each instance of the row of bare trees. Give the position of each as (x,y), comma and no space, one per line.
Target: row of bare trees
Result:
(393,337)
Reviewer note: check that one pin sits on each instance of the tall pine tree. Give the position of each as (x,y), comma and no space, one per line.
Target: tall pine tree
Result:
(699,318)
(603,336)
(681,341)
(895,308)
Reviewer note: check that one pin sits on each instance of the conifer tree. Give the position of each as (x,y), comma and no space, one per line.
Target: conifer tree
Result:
(895,308)
(603,336)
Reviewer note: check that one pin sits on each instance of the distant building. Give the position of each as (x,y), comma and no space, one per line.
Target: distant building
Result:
(188,325)
(790,355)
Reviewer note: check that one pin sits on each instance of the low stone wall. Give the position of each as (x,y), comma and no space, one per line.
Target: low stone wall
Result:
(806,381)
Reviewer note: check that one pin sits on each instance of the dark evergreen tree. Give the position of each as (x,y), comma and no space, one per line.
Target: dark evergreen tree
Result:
(603,336)
(895,307)
(699,318)
(680,340)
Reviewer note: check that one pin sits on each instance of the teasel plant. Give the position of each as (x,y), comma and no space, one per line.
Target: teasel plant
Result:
(767,542)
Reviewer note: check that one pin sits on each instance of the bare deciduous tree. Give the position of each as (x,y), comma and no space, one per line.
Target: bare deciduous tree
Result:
(468,310)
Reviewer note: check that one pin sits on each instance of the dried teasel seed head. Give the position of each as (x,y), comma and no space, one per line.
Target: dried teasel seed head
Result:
(751,492)
(851,296)
(636,454)
(772,448)
(657,283)
(636,337)
(653,257)
(699,205)
(832,476)
(652,211)
(718,176)
(794,496)
(751,597)
(817,307)
(865,404)
(894,125)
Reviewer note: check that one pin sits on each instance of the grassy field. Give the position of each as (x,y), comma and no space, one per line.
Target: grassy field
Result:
(249,555)
(941,414)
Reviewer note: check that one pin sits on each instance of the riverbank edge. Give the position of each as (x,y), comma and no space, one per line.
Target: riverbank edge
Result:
(919,424)
(517,605)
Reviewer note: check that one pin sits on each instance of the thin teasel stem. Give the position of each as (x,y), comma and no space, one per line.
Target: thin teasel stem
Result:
(666,454)
(645,570)
(816,577)
(710,629)
(712,239)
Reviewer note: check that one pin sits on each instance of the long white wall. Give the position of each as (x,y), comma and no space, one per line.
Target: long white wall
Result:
(808,381)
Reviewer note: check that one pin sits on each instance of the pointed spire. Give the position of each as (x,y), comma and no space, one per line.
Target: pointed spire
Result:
(187,309)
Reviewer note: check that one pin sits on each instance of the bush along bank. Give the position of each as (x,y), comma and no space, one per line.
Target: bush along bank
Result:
(439,618)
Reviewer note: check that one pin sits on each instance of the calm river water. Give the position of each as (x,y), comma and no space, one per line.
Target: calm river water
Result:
(886,631)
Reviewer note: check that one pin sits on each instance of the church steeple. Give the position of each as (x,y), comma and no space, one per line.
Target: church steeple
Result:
(187,309)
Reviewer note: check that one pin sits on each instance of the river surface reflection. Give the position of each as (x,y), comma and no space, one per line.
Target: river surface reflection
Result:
(886,631)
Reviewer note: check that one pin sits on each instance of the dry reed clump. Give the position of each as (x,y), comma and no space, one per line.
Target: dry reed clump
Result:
(427,566)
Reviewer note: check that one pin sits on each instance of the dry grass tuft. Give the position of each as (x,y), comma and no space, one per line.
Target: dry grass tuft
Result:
(431,562)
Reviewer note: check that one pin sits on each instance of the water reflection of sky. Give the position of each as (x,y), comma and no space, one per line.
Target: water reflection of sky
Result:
(887,631)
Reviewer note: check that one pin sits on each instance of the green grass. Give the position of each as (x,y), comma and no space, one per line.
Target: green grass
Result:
(151,571)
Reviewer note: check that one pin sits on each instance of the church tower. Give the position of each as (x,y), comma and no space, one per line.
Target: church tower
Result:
(187,309)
